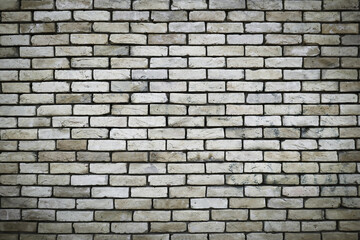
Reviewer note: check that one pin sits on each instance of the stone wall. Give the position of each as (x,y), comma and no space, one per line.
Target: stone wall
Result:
(179,120)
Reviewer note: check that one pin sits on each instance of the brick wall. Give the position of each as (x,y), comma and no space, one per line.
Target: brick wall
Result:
(179,120)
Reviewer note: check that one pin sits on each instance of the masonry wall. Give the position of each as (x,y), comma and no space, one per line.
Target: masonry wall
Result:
(179,120)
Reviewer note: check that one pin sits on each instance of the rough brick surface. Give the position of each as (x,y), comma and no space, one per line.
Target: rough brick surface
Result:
(179,120)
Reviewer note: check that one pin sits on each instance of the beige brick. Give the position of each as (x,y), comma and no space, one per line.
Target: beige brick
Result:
(290,226)
(50,40)
(74,27)
(188,191)
(186,215)
(68,168)
(285,62)
(245,227)
(338,235)
(133,203)
(9,52)
(55,63)
(167,227)
(18,226)
(349,16)
(55,228)
(245,16)
(92,16)
(24,16)
(101,50)
(152,192)
(203,226)
(95,227)
(349,225)
(127,180)
(112,216)
(89,38)
(9,4)
(37,28)
(287,16)
(319,226)
(164,119)
(301,27)
(267,214)
(321,39)
(300,168)
(128,38)
(263,74)
(340,28)
(329,4)
(205,179)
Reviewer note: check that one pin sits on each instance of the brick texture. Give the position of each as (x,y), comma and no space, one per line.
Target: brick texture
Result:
(179,120)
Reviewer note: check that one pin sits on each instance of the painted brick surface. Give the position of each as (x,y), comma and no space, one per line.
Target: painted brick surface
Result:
(179,120)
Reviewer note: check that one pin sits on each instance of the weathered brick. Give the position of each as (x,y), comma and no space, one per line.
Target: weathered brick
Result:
(24,16)
(265,5)
(165,39)
(71,4)
(89,38)
(185,4)
(245,16)
(164,119)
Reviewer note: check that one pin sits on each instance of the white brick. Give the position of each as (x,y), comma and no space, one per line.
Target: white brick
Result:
(128,134)
(205,203)
(89,180)
(106,145)
(91,15)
